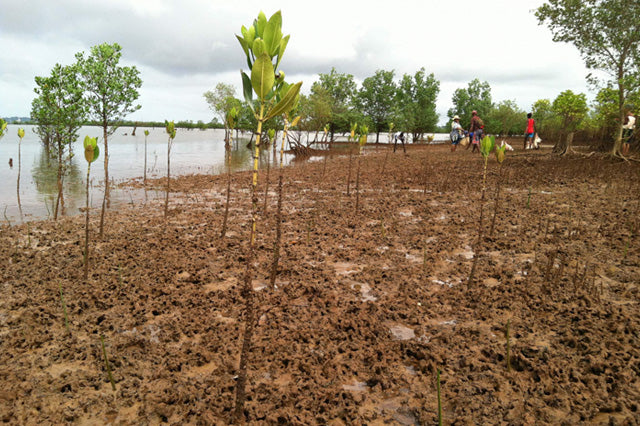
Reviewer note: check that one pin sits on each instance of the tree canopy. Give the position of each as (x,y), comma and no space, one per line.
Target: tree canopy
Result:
(607,35)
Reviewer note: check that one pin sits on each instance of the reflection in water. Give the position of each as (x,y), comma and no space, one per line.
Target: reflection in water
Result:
(45,178)
(193,152)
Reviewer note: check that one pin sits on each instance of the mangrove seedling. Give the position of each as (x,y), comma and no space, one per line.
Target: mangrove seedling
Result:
(363,132)
(352,136)
(507,332)
(500,156)
(20,136)
(144,178)
(271,133)
(486,146)
(3,127)
(439,397)
(529,198)
(264,46)
(91,153)
(278,239)
(232,116)
(170,128)
(107,365)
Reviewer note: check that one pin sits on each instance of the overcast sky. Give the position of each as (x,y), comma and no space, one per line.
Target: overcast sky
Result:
(184,48)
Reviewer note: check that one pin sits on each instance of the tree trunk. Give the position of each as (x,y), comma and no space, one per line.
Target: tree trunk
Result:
(563,147)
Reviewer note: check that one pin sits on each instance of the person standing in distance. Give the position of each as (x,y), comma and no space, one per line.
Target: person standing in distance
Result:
(530,132)
(477,126)
(627,132)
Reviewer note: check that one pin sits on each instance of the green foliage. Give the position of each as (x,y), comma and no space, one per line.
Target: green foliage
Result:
(571,108)
(506,118)
(500,153)
(607,35)
(3,127)
(264,45)
(376,99)
(222,99)
(59,108)
(363,133)
(415,106)
(334,94)
(146,132)
(21,133)
(543,114)
(486,145)
(170,128)
(111,90)
(91,150)
(477,96)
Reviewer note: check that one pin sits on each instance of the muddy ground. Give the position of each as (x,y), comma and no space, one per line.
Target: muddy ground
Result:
(368,304)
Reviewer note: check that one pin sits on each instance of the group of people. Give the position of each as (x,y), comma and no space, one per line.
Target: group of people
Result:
(476,130)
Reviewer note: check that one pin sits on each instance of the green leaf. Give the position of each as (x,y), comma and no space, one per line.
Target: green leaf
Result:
(96,153)
(276,19)
(244,45)
(486,145)
(273,35)
(260,24)
(259,47)
(262,76)
(21,133)
(146,133)
(287,102)
(247,91)
(283,47)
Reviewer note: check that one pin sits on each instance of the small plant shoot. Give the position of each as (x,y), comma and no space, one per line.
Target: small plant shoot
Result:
(91,154)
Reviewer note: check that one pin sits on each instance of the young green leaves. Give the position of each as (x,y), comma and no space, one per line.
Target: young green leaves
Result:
(363,132)
(21,133)
(170,128)
(3,127)
(486,145)
(91,150)
(500,153)
(264,46)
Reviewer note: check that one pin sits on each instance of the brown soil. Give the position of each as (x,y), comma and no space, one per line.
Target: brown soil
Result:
(368,304)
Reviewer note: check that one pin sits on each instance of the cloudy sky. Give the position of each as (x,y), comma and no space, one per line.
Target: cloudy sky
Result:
(184,48)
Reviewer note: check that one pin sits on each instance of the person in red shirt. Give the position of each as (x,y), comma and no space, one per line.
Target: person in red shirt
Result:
(530,133)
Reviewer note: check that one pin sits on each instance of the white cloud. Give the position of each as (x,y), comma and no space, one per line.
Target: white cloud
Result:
(184,48)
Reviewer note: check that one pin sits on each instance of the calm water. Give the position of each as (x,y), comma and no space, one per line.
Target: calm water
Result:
(193,152)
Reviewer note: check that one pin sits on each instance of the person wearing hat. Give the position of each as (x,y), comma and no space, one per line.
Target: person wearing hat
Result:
(456,133)
(477,126)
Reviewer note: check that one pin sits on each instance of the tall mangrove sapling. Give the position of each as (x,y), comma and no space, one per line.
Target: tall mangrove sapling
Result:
(278,240)
(263,43)
(170,127)
(91,153)
(486,146)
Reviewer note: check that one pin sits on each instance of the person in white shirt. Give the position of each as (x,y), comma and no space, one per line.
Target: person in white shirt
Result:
(627,132)
(457,133)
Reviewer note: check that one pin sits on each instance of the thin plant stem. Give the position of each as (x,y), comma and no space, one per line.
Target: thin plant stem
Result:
(278,240)
(106,363)
(247,288)
(479,243)
(508,346)
(86,227)
(226,207)
(439,397)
